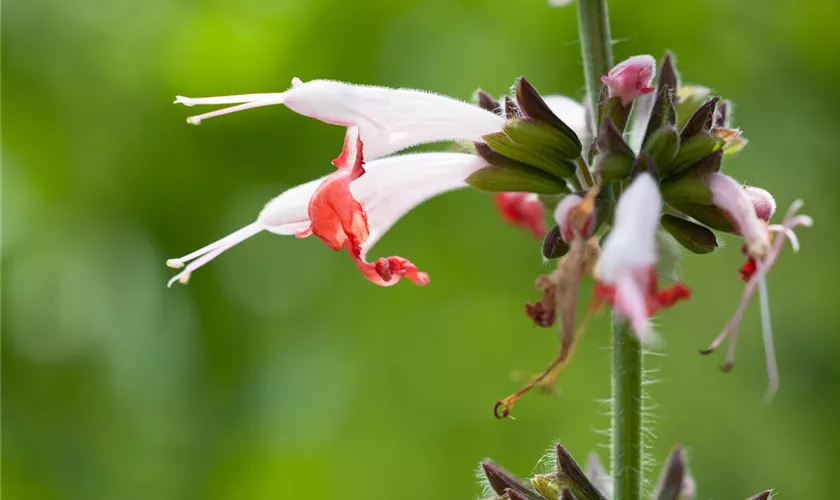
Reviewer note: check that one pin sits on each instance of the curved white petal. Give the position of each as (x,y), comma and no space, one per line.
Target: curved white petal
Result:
(631,245)
(393,186)
(732,198)
(571,112)
(389,188)
(389,120)
(630,303)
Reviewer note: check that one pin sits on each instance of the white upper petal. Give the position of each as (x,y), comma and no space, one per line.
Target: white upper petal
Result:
(393,186)
(631,244)
(731,197)
(390,120)
(571,112)
(389,188)
(289,211)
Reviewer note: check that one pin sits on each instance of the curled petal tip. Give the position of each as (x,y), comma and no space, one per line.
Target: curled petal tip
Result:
(194,120)
(186,101)
(707,351)
(296,82)
(182,278)
(175,263)
(501,410)
(727,367)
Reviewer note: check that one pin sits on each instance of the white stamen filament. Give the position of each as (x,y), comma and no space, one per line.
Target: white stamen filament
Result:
(769,351)
(245,101)
(784,230)
(779,228)
(206,254)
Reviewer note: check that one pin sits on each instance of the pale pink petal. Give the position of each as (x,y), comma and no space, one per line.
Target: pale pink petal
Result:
(631,244)
(763,202)
(561,216)
(389,120)
(631,303)
(733,199)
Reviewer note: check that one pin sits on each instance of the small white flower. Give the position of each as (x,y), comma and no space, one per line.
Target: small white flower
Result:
(627,269)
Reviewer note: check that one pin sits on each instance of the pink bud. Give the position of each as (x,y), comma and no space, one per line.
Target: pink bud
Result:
(762,201)
(631,78)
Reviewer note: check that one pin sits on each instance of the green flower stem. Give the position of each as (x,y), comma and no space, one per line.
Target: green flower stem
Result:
(627,436)
(596,51)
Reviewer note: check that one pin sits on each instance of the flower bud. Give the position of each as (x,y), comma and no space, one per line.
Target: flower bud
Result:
(762,201)
(574,218)
(631,78)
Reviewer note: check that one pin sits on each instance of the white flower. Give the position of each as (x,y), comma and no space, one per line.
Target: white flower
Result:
(627,269)
(749,209)
(388,120)
(389,188)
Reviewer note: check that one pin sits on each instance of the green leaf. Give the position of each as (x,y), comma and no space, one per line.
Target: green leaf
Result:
(611,141)
(502,179)
(689,99)
(707,165)
(708,215)
(533,106)
(686,190)
(644,163)
(662,112)
(543,159)
(662,147)
(692,150)
(701,121)
(539,135)
(613,110)
(694,237)
(613,167)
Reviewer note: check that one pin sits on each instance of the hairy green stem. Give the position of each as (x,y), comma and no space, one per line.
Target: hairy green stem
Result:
(627,436)
(626,433)
(596,51)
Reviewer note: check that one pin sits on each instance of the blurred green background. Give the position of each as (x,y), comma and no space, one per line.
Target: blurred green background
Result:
(280,372)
